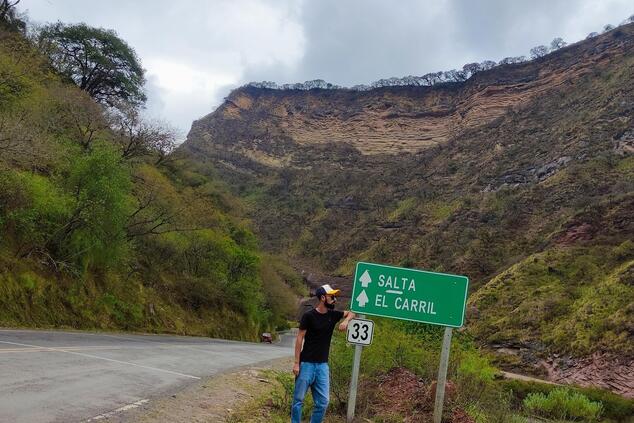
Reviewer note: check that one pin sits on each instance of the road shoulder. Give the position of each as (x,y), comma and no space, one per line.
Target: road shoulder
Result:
(213,399)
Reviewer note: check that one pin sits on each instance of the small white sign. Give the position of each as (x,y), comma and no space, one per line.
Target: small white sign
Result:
(360,331)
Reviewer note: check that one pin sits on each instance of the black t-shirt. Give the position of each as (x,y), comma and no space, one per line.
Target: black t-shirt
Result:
(319,329)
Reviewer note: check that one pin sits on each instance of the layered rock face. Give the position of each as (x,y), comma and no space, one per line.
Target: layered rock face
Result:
(393,120)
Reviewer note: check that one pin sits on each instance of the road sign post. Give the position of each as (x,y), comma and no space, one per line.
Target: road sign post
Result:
(354,380)
(442,375)
(414,295)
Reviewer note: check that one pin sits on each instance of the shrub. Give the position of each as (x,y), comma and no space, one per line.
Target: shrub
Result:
(282,396)
(615,407)
(562,403)
(474,366)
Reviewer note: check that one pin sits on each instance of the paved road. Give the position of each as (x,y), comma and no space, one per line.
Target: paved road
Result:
(52,376)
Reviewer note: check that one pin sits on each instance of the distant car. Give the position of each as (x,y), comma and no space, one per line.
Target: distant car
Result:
(266,337)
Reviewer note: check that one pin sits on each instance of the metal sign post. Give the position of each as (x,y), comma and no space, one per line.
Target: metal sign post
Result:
(442,375)
(354,380)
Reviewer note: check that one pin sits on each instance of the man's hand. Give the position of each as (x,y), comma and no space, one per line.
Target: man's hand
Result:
(348,315)
(296,369)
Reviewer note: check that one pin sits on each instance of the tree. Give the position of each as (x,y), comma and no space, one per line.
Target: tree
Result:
(454,75)
(557,43)
(138,137)
(471,69)
(487,64)
(76,116)
(512,60)
(539,51)
(97,60)
(163,143)
(9,16)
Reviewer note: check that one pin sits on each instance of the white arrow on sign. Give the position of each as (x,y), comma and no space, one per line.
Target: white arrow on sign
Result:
(362,299)
(365,279)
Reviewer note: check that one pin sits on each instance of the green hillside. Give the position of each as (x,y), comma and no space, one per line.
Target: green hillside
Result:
(93,236)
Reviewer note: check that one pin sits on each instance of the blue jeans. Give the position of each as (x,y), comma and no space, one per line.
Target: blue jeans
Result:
(317,377)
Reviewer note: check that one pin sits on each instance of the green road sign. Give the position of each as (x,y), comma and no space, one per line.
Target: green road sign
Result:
(408,294)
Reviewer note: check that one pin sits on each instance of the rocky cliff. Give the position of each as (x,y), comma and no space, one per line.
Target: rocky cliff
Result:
(395,120)
(522,178)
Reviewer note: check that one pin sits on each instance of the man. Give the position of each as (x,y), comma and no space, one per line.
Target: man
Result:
(311,361)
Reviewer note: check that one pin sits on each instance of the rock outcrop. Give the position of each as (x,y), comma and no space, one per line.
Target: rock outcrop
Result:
(394,120)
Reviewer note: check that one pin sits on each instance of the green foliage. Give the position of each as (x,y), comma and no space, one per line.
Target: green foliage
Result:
(561,403)
(78,217)
(439,210)
(280,284)
(97,60)
(403,210)
(31,208)
(88,240)
(573,298)
(615,407)
(125,315)
(495,410)
(100,186)
(281,398)
(14,84)
(474,366)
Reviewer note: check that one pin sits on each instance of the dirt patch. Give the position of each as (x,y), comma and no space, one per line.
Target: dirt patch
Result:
(400,395)
(210,400)
(575,233)
(603,370)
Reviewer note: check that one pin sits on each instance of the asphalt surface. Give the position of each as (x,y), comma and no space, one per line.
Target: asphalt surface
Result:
(53,376)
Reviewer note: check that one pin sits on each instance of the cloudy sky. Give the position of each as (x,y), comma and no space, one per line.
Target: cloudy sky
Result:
(195,52)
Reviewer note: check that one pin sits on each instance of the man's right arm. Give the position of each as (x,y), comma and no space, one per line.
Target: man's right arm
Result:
(299,341)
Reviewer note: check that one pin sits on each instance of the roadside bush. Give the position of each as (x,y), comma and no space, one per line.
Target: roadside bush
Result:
(32,208)
(478,394)
(282,396)
(615,407)
(474,366)
(562,403)
(494,412)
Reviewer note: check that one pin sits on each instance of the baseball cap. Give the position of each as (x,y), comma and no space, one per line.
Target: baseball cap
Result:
(326,290)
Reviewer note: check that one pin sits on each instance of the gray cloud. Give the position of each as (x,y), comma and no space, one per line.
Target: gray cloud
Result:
(196,51)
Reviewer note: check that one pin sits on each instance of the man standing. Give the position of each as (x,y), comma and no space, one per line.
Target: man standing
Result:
(311,361)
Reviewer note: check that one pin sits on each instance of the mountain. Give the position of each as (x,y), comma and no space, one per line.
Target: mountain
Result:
(522,178)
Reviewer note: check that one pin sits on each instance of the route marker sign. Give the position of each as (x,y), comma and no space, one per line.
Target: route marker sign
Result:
(409,294)
(360,331)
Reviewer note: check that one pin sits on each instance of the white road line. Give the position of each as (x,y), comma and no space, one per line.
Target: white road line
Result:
(21,350)
(103,358)
(118,410)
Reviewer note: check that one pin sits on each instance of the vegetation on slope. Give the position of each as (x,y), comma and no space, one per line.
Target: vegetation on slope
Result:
(551,174)
(576,299)
(99,228)
(396,384)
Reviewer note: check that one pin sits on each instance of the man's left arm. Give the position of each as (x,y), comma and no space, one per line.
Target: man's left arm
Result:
(347,316)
